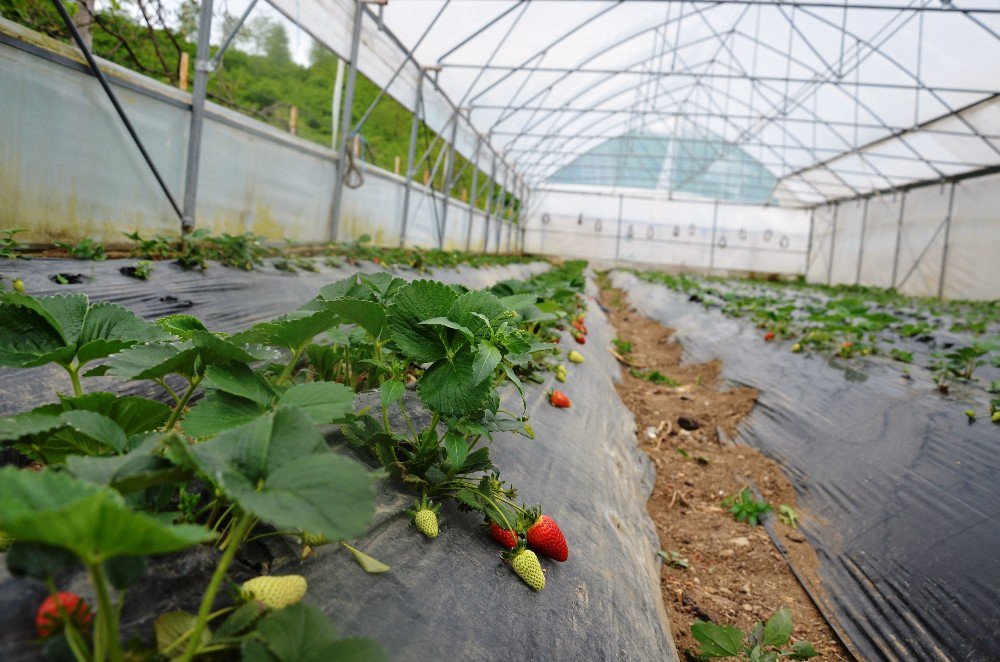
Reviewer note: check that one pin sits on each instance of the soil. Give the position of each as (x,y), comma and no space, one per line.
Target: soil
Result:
(735,574)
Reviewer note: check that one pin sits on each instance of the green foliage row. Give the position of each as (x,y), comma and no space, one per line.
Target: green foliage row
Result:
(127,477)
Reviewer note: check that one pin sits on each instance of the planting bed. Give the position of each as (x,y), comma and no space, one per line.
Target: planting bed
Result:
(451,597)
(896,484)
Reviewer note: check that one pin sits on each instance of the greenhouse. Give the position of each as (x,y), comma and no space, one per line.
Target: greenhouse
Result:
(337,330)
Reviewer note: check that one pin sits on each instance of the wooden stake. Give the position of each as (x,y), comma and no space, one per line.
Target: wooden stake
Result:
(293,120)
(396,165)
(183,71)
(465,195)
(427,177)
(357,146)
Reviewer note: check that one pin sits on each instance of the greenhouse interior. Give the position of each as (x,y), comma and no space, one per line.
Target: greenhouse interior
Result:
(349,330)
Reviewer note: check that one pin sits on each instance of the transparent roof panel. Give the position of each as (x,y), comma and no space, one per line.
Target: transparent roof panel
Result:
(830,98)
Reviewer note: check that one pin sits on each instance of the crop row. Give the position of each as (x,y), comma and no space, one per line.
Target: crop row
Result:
(234,449)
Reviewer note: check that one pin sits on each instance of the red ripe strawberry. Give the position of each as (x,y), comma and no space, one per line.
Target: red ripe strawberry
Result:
(579,338)
(506,537)
(49,621)
(559,399)
(579,326)
(579,318)
(769,336)
(545,537)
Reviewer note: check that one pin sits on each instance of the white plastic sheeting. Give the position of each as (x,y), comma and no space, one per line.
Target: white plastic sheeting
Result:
(637,226)
(934,240)
(839,100)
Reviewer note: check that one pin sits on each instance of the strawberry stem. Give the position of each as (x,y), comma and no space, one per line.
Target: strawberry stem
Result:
(106,629)
(239,532)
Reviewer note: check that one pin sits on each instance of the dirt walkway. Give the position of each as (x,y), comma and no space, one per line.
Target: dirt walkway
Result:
(734,574)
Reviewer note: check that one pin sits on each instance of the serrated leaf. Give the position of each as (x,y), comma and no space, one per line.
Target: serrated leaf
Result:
(180,325)
(290,331)
(301,633)
(370,565)
(143,467)
(217,412)
(450,388)
(391,392)
(486,361)
(447,323)
(279,468)
(238,621)
(325,402)
(92,522)
(109,327)
(456,448)
(173,625)
(478,310)
(778,629)
(97,427)
(717,640)
(369,315)
(415,302)
(239,379)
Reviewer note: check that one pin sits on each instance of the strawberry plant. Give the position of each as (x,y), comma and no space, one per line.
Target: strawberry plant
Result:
(85,249)
(11,248)
(768,641)
(745,508)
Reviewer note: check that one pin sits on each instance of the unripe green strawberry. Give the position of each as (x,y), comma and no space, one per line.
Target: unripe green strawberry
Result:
(18,285)
(797,347)
(561,375)
(275,592)
(314,539)
(995,417)
(6,540)
(575,357)
(971,414)
(425,517)
(526,566)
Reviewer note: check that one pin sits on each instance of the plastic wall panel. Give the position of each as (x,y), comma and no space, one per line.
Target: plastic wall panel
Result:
(63,183)
(972,270)
(921,243)
(819,250)
(846,242)
(880,240)
(656,229)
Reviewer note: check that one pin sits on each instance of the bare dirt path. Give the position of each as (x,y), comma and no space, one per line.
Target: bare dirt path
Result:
(734,574)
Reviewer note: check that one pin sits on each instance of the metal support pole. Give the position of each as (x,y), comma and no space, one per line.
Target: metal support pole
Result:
(861,244)
(411,154)
(809,243)
(947,236)
(899,237)
(78,38)
(618,233)
(449,173)
(833,244)
(345,121)
(338,90)
(715,223)
(202,67)
(489,204)
(472,200)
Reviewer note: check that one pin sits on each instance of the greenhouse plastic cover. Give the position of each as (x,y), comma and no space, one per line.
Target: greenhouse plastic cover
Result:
(450,598)
(836,100)
(898,492)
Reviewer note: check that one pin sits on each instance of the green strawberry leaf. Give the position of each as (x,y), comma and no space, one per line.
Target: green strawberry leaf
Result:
(415,302)
(301,633)
(447,323)
(368,315)
(291,331)
(182,326)
(239,379)
(279,468)
(143,467)
(478,311)
(716,640)
(486,361)
(391,392)
(93,522)
(778,629)
(217,412)
(325,402)
(109,328)
(450,387)
(801,650)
